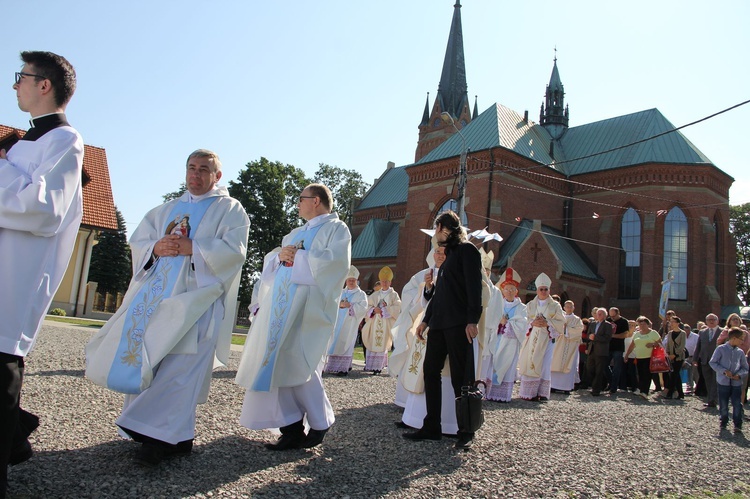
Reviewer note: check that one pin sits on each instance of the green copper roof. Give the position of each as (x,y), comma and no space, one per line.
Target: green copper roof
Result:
(391,188)
(574,261)
(379,239)
(585,140)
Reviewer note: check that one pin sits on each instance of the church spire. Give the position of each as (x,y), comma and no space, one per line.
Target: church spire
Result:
(426,113)
(554,113)
(476,108)
(452,90)
(452,96)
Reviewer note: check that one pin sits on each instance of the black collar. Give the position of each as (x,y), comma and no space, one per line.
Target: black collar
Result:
(40,126)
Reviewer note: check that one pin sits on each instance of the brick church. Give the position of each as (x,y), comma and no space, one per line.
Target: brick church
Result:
(607,209)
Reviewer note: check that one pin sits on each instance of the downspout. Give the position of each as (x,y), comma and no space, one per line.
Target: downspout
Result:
(489,190)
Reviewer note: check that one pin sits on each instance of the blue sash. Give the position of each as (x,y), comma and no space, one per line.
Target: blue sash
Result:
(282,298)
(125,374)
(343,313)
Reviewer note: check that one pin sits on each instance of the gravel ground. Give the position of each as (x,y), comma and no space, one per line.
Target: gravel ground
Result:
(571,446)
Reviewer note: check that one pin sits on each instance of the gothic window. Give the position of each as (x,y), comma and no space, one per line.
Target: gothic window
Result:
(630,256)
(452,204)
(675,253)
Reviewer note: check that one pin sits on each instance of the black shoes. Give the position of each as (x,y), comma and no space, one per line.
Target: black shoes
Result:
(422,435)
(314,438)
(464,441)
(20,453)
(403,426)
(153,452)
(287,441)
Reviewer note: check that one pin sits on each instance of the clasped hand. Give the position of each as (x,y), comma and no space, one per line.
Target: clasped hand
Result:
(173,245)
(287,254)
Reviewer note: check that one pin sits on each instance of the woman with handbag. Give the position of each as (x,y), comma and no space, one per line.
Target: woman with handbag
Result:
(644,340)
(676,342)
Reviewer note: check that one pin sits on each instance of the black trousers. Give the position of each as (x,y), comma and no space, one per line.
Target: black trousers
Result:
(11,376)
(442,343)
(601,366)
(675,381)
(644,374)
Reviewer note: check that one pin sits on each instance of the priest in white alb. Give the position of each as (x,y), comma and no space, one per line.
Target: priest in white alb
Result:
(384,309)
(352,308)
(177,315)
(299,302)
(565,356)
(545,323)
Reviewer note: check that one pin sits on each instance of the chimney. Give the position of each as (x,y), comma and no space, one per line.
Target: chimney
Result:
(390,165)
(526,116)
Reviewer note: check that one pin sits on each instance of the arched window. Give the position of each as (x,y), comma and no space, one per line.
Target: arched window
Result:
(630,257)
(452,204)
(676,252)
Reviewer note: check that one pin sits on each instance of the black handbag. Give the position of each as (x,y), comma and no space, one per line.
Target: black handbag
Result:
(469,408)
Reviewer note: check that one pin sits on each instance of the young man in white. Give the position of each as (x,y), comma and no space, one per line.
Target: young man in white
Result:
(352,308)
(565,355)
(41,204)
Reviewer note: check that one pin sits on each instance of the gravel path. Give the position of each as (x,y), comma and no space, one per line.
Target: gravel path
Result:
(571,446)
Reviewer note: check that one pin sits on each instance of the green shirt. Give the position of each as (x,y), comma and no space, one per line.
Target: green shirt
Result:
(640,340)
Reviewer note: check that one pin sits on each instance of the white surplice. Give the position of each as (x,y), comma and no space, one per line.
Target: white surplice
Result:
(341,348)
(564,366)
(187,328)
(41,206)
(535,357)
(295,386)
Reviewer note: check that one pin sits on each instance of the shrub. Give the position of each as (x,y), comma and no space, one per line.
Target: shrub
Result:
(57,311)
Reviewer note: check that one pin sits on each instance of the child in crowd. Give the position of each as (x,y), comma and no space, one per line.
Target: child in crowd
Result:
(731,367)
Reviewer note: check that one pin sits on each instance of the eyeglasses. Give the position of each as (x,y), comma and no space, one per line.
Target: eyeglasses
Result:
(306,197)
(19,74)
(543,289)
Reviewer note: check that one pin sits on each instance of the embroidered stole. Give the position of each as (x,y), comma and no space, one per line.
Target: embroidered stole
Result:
(282,298)
(125,373)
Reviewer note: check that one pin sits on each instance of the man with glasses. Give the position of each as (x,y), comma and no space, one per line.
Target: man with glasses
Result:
(177,315)
(299,299)
(703,352)
(40,212)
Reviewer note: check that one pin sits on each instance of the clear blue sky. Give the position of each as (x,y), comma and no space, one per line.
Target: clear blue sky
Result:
(344,82)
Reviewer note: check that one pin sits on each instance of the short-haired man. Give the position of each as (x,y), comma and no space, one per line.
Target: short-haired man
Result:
(178,312)
(299,298)
(617,348)
(40,212)
(600,333)
(704,350)
(453,317)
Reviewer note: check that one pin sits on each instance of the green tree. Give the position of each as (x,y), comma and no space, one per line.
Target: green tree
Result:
(269,192)
(174,195)
(346,186)
(739,226)
(111,261)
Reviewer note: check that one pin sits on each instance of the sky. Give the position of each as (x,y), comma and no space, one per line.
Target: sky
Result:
(344,82)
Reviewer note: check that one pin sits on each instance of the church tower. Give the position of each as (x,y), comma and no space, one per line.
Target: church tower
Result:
(554,113)
(452,96)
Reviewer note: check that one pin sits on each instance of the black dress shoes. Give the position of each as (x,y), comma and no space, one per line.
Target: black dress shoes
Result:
(287,441)
(464,441)
(403,426)
(20,453)
(314,438)
(422,435)
(710,404)
(149,455)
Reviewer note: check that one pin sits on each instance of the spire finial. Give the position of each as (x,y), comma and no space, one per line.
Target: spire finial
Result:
(555,54)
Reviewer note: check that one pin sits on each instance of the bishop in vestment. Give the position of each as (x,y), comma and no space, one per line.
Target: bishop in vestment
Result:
(352,308)
(177,315)
(299,302)
(384,309)
(545,323)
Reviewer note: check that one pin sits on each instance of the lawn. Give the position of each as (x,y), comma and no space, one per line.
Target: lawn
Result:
(76,321)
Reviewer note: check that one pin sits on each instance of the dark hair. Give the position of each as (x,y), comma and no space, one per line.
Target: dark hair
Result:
(57,70)
(675,318)
(449,220)
(735,332)
(323,193)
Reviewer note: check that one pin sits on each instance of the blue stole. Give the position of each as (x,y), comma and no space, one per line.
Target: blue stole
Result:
(343,312)
(125,373)
(282,298)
